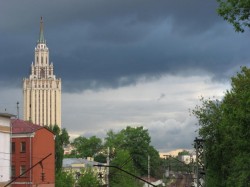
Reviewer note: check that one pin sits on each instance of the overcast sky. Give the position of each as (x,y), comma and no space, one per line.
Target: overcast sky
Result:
(124,62)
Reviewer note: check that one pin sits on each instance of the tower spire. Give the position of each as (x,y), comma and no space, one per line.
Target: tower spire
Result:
(42,90)
(41,36)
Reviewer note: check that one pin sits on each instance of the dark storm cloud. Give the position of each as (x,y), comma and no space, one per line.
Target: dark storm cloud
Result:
(95,43)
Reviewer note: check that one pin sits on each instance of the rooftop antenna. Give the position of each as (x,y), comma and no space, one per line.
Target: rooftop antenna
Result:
(17,108)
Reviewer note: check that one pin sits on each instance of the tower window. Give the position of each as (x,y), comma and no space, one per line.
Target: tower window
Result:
(13,171)
(13,146)
(22,169)
(23,147)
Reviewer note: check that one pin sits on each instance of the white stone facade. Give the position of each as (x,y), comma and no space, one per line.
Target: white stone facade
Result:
(5,152)
(42,90)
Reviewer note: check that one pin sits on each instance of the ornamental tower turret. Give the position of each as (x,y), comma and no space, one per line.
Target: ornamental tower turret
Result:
(42,90)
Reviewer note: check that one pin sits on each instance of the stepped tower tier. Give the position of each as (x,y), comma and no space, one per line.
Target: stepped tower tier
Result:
(42,90)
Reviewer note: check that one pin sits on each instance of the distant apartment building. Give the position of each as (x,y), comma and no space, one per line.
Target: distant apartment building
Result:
(5,152)
(68,149)
(187,159)
(30,144)
(42,90)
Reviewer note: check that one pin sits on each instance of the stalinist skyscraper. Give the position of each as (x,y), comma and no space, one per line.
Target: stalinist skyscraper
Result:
(42,90)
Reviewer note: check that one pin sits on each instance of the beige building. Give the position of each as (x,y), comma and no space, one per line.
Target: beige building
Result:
(42,90)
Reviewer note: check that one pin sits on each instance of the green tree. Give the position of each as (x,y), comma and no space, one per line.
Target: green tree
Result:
(88,179)
(73,154)
(136,141)
(225,127)
(101,157)
(87,147)
(114,140)
(209,117)
(236,12)
(64,179)
(156,163)
(118,178)
(61,140)
(184,152)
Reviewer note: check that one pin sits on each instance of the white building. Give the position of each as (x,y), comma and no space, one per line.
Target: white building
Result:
(187,159)
(5,151)
(77,166)
(42,90)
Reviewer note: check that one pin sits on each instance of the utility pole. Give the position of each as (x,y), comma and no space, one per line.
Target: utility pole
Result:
(108,161)
(148,169)
(17,108)
(200,162)
(167,172)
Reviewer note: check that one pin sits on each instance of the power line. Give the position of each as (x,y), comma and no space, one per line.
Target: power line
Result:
(40,162)
(126,173)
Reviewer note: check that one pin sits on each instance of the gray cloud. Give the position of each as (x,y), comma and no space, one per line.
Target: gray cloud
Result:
(94,44)
(168,120)
(123,62)
(170,134)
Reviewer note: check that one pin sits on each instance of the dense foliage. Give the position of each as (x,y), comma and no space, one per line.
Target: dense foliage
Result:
(61,139)
(184,152)
(87,147)
(118,178)
(129,150)
(236,12)
(64,179)
(136,141)
(225,127)
(88,179)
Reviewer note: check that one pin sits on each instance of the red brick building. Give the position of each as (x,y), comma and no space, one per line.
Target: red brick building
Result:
(30,144)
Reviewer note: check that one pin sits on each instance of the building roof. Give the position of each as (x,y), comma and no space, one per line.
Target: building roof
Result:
(21,127)
(68,162)
(7,115)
